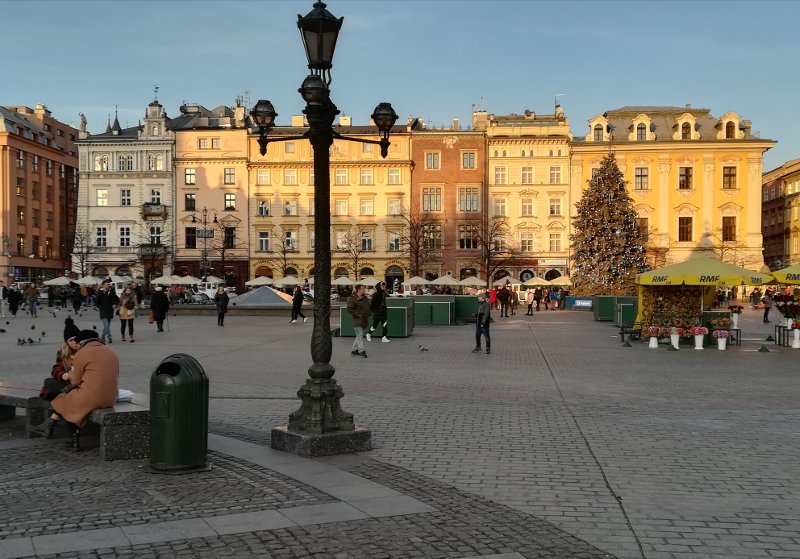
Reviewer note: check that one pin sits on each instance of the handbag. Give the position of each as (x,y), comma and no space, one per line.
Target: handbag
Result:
(151,318)
(53,387)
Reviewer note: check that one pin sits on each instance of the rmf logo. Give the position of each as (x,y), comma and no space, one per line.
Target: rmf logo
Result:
(659,279)
(709,279)
(792,277)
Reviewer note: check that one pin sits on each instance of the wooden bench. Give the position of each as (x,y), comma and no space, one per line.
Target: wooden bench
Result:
(634,331)
(124,430)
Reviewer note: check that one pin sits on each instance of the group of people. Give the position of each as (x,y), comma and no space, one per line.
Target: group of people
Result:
(361,308)
(506,299)
(14,298)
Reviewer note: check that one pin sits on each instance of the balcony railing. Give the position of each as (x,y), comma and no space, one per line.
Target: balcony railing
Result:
(150,209)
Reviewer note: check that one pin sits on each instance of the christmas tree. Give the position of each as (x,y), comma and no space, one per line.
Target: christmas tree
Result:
(607,245)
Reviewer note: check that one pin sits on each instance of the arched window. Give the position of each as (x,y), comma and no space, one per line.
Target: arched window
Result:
(101,163)
(151,162)
(504,153)
(551,153)
(730,130)
(129,162)
(496,153)
(598,132)
(641,132)
(160,162)
(154,130)
(341,272)
(686,131)
(120,162)
(559,153)
(264,271)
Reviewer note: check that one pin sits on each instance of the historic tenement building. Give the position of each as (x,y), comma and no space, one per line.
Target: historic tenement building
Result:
(695,179)
(125,205)
(38,191)
(780,221)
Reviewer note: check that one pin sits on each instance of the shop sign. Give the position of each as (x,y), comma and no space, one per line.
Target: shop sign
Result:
(554,262)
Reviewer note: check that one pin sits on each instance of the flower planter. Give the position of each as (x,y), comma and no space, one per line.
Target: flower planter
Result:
(675,339)
(722,343)
(653,342)
(698,341)
(735,319)
(796,340)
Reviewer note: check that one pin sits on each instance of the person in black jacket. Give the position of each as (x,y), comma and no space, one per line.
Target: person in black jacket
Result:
(159,306)
(106,301)
(221,301)
(297,304)
(77,300)
(379,312)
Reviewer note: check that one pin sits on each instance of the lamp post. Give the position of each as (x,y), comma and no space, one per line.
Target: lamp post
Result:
(205,233)
(320,426)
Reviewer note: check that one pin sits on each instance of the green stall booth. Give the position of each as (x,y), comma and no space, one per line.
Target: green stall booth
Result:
(626,310)
(466,308)
(604,307)
(399,313)
(434,310)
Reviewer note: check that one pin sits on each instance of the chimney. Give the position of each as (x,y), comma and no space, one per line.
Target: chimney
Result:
(746,125)
(41,110)
(298,121)
(238,116)
(345,120)
(456,125)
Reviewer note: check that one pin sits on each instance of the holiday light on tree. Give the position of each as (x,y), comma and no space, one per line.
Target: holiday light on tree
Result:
(607,245)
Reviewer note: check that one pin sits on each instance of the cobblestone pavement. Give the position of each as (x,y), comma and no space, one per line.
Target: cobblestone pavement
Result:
(640,453)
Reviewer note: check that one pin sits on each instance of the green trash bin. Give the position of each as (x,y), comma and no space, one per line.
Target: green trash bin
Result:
(178,414)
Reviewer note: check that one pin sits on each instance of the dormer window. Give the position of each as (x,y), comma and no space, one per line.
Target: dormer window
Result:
(598,133)
(641,132)
(730,130)
(154,130)
(686,131)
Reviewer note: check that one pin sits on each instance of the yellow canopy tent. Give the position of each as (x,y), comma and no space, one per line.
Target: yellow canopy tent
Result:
(789,276)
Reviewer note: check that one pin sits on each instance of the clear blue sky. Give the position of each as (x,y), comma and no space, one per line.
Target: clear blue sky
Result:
(434,59)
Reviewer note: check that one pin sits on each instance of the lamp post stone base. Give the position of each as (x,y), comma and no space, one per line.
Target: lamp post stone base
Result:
(326,444)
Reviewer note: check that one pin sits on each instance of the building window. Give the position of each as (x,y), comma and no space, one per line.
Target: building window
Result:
(499,206)
(262,209)
(366,240)
(394,176)
(20,215)
(151,162)
(685,178)
(290,177)
(125,197)
(190,201)
(155,196)
(641,132)
(367,206)
(101,237)
(641,178)
(527,241)
(468,160)
(527,175)
(555,242)
(290,240)
(526,207)
(555,205)
(394,241)
(230,176)
(431,199)
(35,162)
(643,224)
(125,163)
(35,191)
(366,148)
(102,197)
(598,133)
(191,237)
(729,177)
(467,236)
(100,162)
(468,199)
(499,244)
(289,147)
(190,176)
(20,187)
(340,207)
(215,143)
(395,206)
(263,241)
(21,159)
(202,143)
(35,217)
(229,239)
(686,131)
(500,175)
(432,160)
(124,236)
(555,174)
(311,209)
(730,130)
(155,235)
(50,220)
(230,202)
(366,176)
(20,244)
(340,240)
(262,177)
(432,237)
(685,229)
(728,229)
(290,207)
(340,177)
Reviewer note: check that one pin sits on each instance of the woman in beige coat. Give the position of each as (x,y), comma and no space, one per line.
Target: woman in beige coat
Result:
(95,373)
(128,303)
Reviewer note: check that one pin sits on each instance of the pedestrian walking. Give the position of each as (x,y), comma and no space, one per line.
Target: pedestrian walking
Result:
(31,295)
(530,298)
(14,299)
(514,300)
(768,302)
(128,304)
(3,299)
(359,308)
(107,303)
(63,295)
(221,301)
(483,319)
(505,300)
(297,304)
(77,300)
(139,292)
(493,298)
(159,306)
(379,312)
(537,295)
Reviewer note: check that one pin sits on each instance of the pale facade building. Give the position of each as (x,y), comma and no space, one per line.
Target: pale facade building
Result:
(125,201)
(695,179)
(780,221)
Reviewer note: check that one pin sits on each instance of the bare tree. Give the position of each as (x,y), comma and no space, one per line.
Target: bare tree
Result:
(154,246)
(498,249)
(227,243)
(83,251)
(354,245)
(281,251)
(730,250)
(420,239)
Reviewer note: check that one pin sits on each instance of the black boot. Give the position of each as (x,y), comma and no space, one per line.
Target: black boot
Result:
(74,442)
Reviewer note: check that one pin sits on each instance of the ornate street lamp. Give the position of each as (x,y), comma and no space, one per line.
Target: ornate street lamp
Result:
(320,426)
(205,233)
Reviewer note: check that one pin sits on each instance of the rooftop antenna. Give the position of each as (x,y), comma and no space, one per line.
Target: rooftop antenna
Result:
(555,99)
(155,91)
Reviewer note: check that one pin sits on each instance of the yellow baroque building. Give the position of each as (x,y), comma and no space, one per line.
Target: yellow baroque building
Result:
(368,195)
(695,179)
